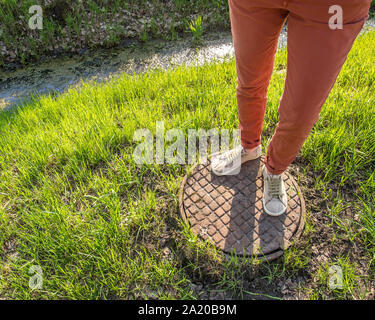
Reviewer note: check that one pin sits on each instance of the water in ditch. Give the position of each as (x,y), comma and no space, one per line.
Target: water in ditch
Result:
(57,75)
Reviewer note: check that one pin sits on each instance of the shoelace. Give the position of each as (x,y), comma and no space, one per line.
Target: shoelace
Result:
(232,154)
(274,187)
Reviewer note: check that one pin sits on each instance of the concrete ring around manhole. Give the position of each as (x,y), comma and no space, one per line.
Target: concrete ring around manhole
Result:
(228,211)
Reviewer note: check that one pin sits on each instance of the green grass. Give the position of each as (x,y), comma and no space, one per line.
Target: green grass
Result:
(349,283)
(69,26)
(74,202)
(196,27)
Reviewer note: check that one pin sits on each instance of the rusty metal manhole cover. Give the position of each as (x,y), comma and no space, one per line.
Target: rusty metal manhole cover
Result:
(228,211)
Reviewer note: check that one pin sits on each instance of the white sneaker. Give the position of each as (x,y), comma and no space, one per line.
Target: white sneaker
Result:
(275,199)
(229,162)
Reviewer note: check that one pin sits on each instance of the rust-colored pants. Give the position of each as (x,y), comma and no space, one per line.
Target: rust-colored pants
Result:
(316,53)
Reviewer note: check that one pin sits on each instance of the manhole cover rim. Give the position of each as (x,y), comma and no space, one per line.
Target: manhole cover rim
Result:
(270,255)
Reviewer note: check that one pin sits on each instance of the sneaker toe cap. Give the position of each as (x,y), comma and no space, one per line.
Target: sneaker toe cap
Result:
(275,207)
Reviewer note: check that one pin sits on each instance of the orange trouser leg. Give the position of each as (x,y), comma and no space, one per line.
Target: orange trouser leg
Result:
(316,54)
(256,27)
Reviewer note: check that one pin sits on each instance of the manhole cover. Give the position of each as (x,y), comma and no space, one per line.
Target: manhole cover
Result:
(228,211)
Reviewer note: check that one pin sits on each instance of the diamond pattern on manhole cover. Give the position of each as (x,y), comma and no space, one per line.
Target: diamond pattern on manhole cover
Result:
(228,211)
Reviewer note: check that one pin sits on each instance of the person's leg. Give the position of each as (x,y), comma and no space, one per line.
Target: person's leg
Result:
(316,54)
(256,26)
